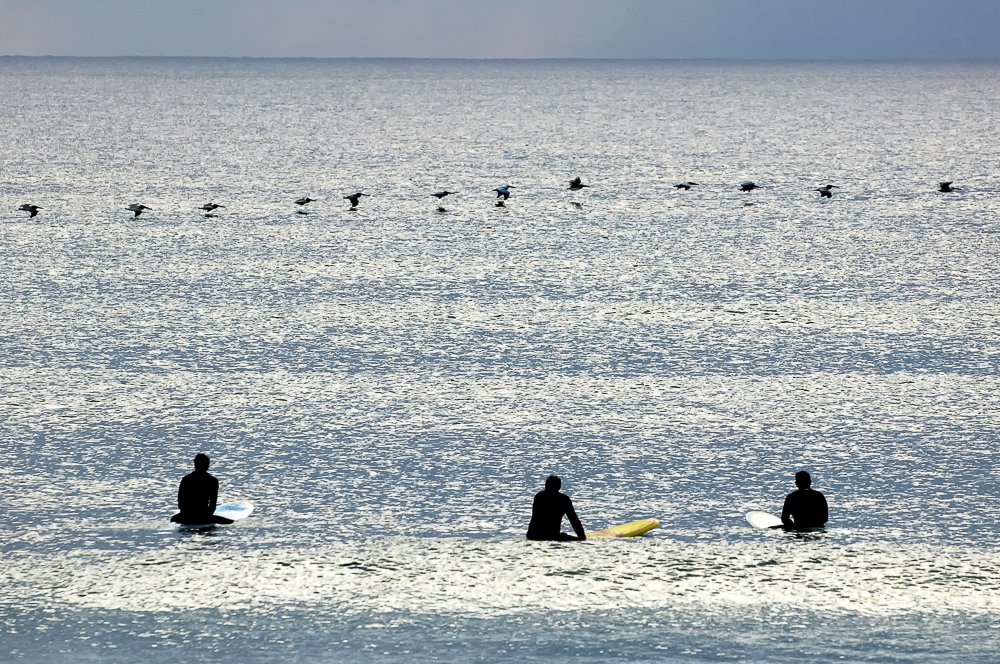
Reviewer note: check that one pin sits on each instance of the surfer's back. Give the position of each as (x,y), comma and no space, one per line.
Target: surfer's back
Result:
(805,508)
(547,512)
(198,493)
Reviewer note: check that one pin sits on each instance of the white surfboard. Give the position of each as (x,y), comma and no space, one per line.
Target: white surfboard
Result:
(236,510)
(763,520)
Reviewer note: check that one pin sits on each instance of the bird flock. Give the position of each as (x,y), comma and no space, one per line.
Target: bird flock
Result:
(503,193)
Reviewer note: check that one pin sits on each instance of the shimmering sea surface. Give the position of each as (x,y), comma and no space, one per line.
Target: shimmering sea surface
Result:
(391,385)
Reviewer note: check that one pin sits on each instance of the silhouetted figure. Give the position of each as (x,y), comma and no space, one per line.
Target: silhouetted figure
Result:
(547,512)
(32,209)
(945,187)
(197,496)
(805,508)
(827,191)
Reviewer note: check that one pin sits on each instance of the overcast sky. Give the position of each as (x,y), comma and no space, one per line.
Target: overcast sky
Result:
(511,29)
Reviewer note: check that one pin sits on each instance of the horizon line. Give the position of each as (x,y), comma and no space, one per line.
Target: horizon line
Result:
(507,59)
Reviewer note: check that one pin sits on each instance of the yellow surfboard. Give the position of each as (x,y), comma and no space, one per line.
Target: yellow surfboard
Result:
(630,529)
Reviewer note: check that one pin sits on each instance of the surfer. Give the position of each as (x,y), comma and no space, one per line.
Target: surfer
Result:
(547,512)
(805,508)
(197,496)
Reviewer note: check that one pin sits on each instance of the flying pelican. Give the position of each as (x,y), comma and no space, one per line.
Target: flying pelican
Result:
(946,187)
(209,207)
(504,191)
(577,184)
(137,208)
(354,199)
(303,201)
(441,194)
(33,209)
(748,186)
(685,185)
(825,191)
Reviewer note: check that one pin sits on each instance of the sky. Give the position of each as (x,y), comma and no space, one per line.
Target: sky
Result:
(742,29)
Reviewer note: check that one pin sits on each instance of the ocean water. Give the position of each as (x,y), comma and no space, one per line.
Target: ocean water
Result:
(391,385)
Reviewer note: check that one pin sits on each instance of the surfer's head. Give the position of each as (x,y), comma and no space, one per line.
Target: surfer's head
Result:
(803,480)
(553,483)
(201,462)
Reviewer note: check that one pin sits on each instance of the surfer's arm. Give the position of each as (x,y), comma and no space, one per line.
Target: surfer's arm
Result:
(786,512)
(213,496)
(182,491)
(574,521)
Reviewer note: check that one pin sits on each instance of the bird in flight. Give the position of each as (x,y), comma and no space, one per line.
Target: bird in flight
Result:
(826,192)
(441,194)
(685,185)
(355,199)
(577,183)
(33,209)
(303,201)
(748,186)
(137,208)
(504,191)
(210,207)
(945,187)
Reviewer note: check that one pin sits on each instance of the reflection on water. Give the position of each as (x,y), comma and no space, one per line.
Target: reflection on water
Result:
(511,576)
(391,386)
(399,597)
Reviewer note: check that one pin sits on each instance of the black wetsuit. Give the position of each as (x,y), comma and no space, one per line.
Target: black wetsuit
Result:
(547,512)
(196,499)
(805,508)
